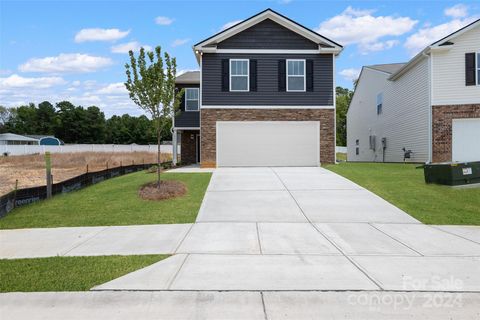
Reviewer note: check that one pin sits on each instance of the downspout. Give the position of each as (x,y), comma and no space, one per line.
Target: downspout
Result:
(334,112)
(430,86)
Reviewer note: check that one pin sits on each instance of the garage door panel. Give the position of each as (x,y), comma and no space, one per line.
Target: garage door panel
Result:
(265,143)
(465,140)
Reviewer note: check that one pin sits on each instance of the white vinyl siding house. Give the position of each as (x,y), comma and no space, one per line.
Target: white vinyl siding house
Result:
(448,76)
(405,110)
(430,105)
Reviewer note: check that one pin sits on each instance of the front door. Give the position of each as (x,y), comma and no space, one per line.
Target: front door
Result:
(197,139)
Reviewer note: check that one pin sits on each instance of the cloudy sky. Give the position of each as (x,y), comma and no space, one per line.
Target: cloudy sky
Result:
(76,50)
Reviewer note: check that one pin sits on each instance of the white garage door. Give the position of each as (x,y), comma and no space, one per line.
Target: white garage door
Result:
(466,140)
(268,143)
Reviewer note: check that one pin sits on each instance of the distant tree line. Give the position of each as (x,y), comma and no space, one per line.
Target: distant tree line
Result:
(76,124)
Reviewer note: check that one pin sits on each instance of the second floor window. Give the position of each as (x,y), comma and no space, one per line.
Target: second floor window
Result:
(239,74)
(295,75)
(379,103)
(191,99)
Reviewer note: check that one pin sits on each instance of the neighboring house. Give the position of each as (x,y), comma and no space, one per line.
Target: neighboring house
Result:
(16,139)
(264,96)
(429,105)
(47,140)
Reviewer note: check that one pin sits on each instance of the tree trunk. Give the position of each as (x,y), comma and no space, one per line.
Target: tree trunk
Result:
(159,136)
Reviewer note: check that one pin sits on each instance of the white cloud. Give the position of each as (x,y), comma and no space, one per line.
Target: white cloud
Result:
(377,46)
(457,11)
(66,62)
(16,81)
(98,34)
(5,72)
(163,21)
(117,88)
(354,26)
(179,42)
(126,47)
(230,24)
(429,34)
(350,74)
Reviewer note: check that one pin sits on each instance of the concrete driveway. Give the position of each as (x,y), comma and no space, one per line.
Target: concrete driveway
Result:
(307,229)
(306,194)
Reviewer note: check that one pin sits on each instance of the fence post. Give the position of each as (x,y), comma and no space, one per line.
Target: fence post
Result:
(15,193)
(48,167)
(87,167)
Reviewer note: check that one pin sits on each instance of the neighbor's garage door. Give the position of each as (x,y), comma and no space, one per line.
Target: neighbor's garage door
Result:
(466,140)
(268,143)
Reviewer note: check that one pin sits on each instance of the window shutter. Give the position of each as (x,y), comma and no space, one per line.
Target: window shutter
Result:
(309,75)
(225,75)
(470,69)
(282,75)
(253,75)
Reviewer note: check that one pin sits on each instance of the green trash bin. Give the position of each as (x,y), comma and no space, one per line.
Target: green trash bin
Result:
(452,173)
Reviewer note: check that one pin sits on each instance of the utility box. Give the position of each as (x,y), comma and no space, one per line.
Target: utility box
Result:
(453,174)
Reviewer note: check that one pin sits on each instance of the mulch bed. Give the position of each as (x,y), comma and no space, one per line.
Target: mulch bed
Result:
(168,189)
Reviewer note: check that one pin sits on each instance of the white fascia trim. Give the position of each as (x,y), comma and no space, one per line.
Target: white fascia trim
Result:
(186,128)
(271,51)
(268,107)
(266,15)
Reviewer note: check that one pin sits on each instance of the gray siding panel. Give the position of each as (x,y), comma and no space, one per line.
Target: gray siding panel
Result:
(267,93)
(267,35)
(190,119)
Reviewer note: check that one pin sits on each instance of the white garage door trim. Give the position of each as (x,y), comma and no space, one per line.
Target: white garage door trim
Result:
(465,140)
(255,133)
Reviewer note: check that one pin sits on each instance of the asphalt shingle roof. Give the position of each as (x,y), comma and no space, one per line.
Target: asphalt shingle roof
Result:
(188,77)
(388,68)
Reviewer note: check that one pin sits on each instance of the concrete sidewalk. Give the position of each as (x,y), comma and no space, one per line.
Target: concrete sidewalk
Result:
(183,305)
(245,238)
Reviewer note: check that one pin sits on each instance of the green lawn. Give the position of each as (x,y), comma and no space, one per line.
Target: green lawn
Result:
(113,202)
(403,185)
(67,273)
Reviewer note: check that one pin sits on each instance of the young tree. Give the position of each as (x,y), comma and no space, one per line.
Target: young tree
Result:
(151,85)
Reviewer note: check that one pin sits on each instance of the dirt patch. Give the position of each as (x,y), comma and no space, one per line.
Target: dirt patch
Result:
(168,189)
(30,169)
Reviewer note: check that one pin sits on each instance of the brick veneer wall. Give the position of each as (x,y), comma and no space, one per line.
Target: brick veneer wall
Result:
(442,117)
(188,147)
(209,117)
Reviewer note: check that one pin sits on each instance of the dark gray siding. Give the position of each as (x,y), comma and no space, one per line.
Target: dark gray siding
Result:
(267,35)
(190,119)
(267,93)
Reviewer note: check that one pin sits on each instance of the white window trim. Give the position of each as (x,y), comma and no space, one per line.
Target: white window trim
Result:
(198,100)
(230,75)
(304,75)
(477,67)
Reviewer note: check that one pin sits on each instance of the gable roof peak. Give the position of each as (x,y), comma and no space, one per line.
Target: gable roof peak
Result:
(261,16)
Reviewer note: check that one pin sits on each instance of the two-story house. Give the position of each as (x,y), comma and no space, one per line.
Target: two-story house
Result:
(264,96)
(429,105)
